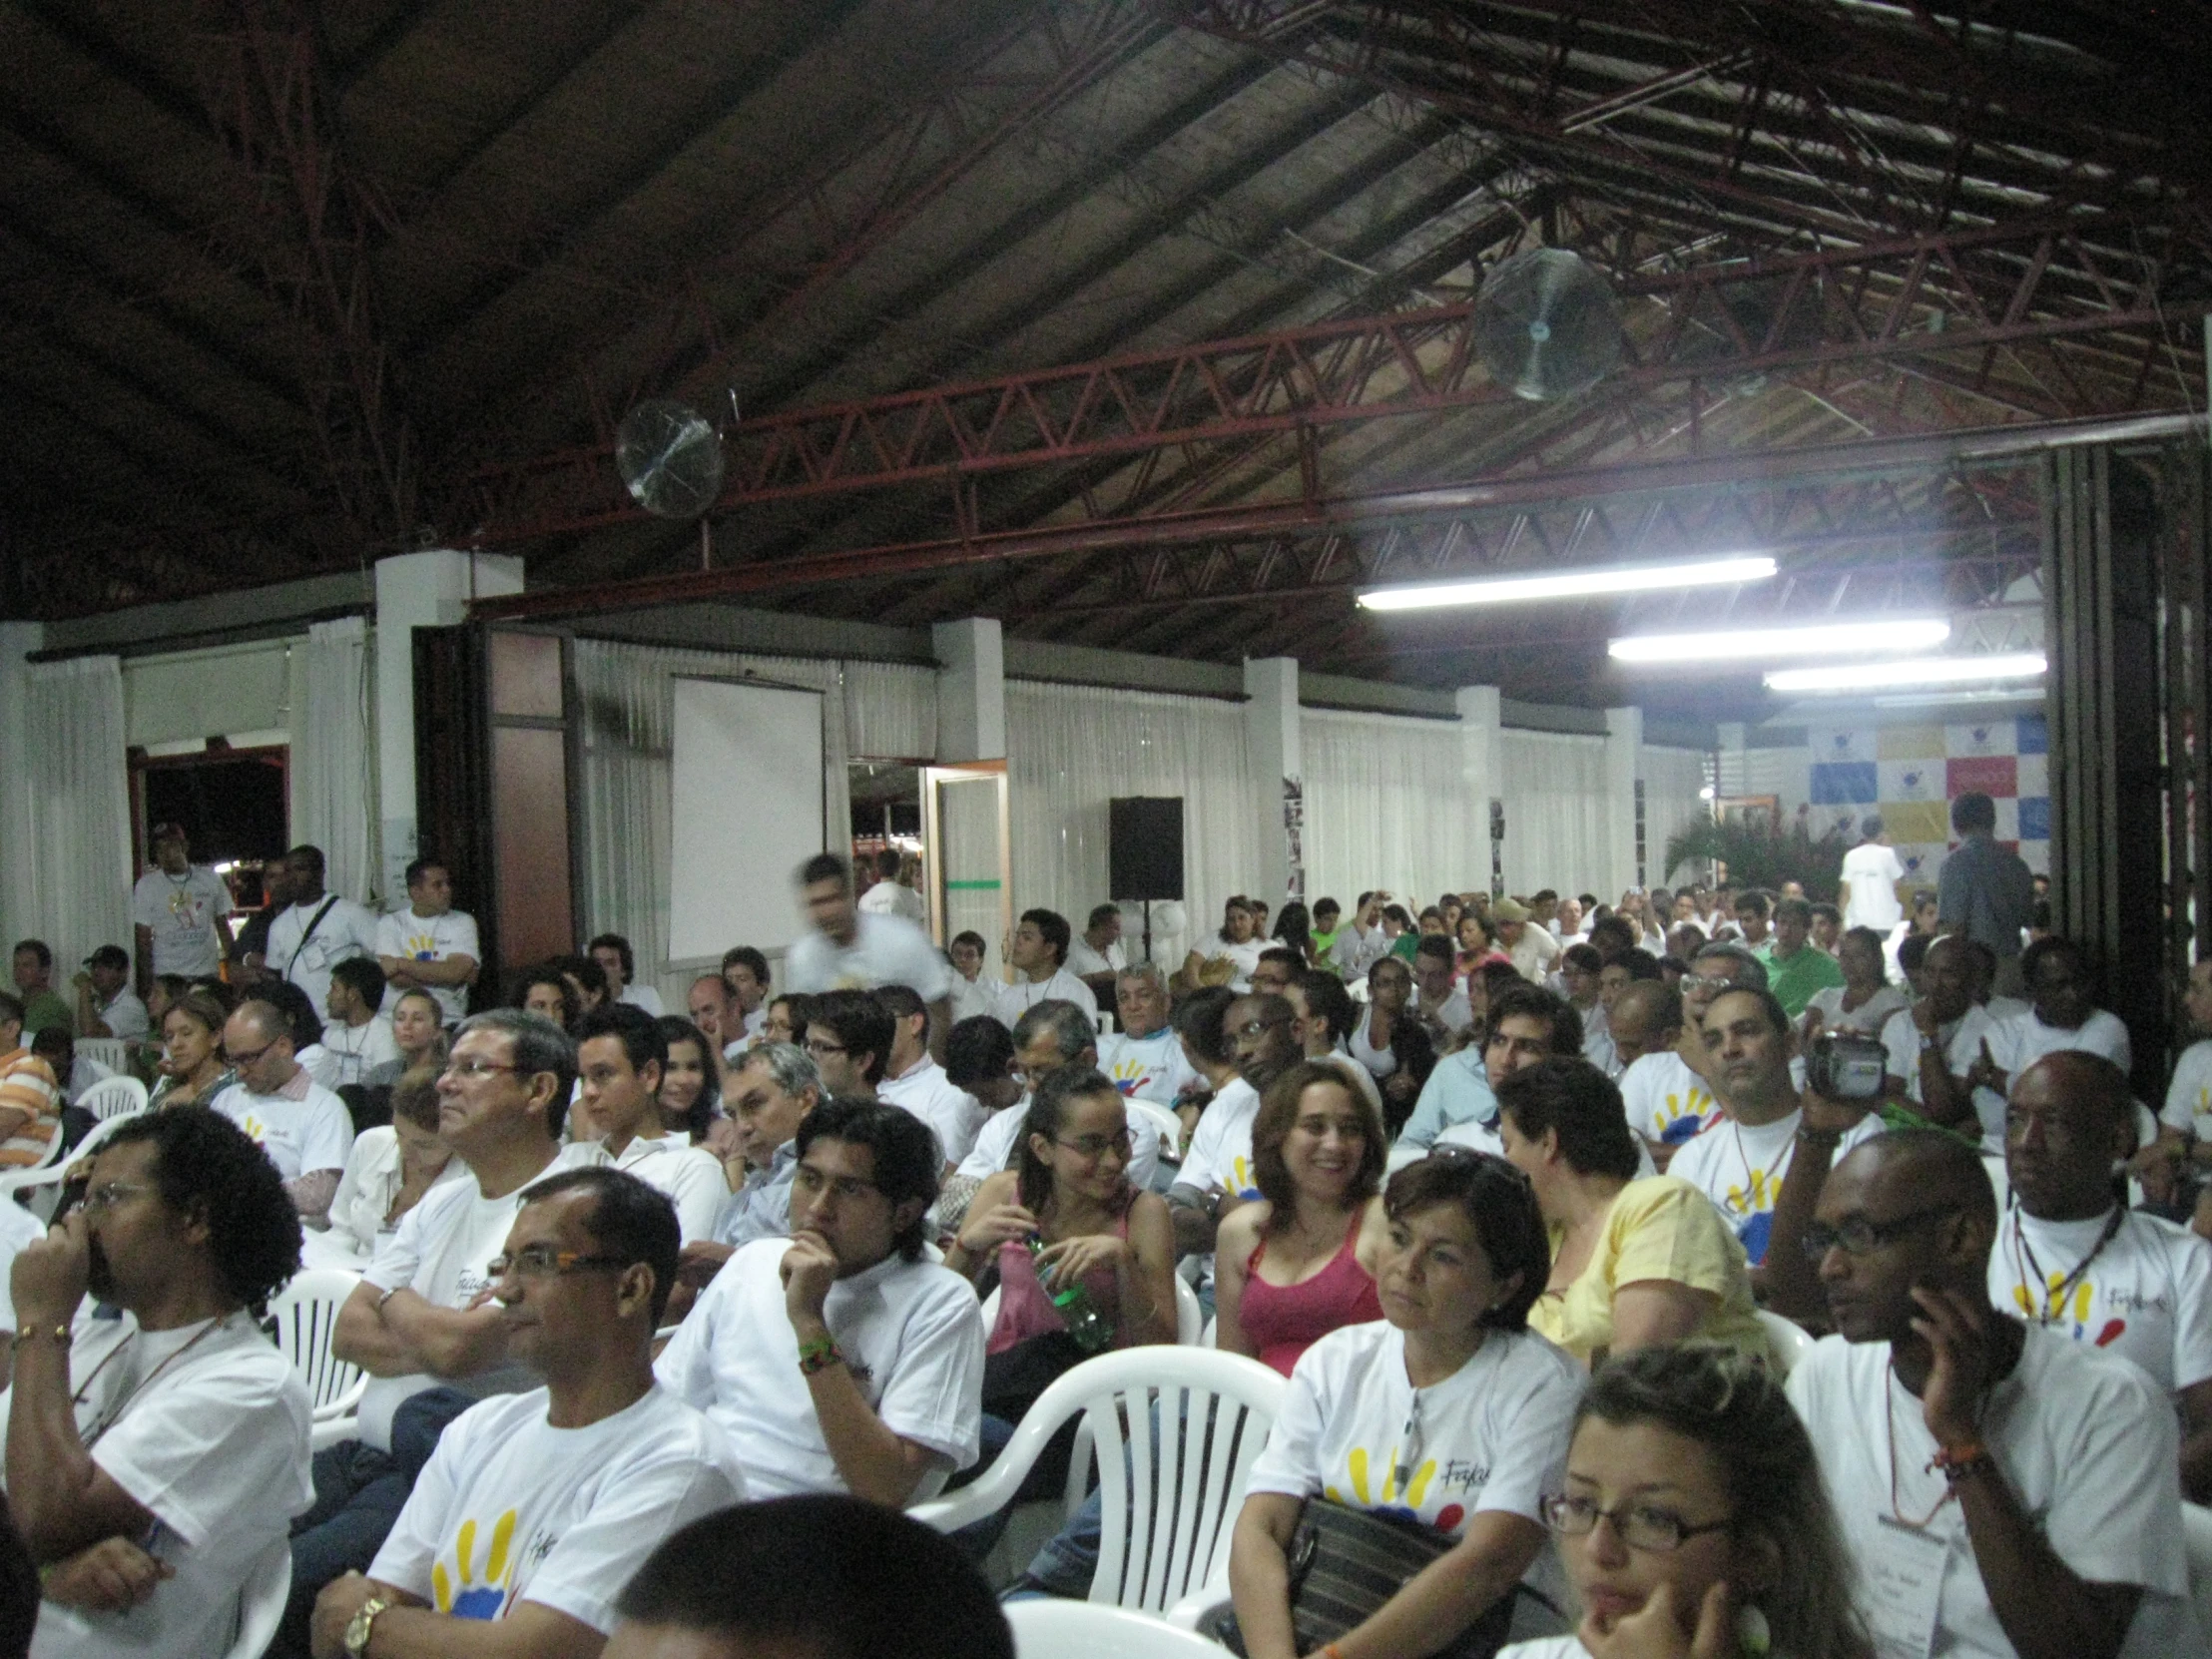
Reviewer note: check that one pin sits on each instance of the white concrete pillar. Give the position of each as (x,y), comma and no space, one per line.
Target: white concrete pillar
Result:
(17,903)
(971,688)
(1480,770)
(417,590)
(1624,747)
(1275,753)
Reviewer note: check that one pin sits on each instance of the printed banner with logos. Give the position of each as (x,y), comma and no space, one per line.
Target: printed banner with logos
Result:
(1911,773)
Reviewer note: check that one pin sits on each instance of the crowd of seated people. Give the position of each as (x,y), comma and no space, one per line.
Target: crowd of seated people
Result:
(666,1317)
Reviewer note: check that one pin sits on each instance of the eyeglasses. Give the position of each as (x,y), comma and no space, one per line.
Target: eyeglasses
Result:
(819,1049)
(1706,981)
(475,1068)
(1095,1146)
(544,1262)
(1859,1237)
(109,1194)
(239,1063)
(1639,1527)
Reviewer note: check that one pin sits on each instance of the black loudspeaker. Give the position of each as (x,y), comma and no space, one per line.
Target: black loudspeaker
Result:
(1145,846)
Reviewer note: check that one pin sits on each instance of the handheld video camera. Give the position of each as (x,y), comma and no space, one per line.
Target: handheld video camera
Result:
(1844,1068)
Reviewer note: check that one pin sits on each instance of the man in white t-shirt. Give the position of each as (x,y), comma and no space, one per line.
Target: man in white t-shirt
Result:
(889,896)
(619,963)
(1741,1161)
(106,1005)
(845,1358)
(848,1037)
(537,1507)
(1872,883)
(155,1454)
(745,970)
(846,950)
(1095,956)
(1217,1170)
(420,1317)
(1533,952)
(18,1227)
(2188,1112)
(2060,1017)
(318,930)
(357,1034)
(621,1058)
(304,1127)
(1668,1104)
(2070,1259)
(430,945)
(177,913)
(1936,1045)
(915,1082)
(1037,952)
(1145,1057)
(1438,1002)
(2001,1489)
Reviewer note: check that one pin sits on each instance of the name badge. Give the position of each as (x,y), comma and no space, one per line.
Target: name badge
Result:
(1904,1582)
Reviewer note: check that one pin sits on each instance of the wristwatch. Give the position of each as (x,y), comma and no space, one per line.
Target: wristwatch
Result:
(356,1630)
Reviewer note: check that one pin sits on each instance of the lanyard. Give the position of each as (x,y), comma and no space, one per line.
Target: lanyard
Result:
(115,1416)
(1890,1429)
(2045,1306)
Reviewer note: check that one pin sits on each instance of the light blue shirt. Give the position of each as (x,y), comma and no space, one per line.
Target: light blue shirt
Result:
(761,1207)
(1457,1091)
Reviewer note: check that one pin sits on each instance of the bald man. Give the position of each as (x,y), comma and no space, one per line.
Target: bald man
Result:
(2073,1259)
(2004,1491)
(1668,1103)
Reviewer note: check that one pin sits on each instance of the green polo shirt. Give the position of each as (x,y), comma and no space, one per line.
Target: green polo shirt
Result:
(1793,980)
(44,1008)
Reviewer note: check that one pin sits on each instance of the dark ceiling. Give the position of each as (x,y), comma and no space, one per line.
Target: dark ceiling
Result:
(288,287)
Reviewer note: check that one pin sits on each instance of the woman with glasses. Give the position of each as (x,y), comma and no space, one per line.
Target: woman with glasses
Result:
(1693,1522)
(1083,1260)
(1447,1418)
(1634,1262)
(1300,1262)
(1392,1042)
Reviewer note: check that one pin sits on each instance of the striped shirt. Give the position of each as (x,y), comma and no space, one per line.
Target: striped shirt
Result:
(27,1085)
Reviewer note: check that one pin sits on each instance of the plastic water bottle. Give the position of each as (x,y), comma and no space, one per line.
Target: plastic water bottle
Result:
(1093,1331)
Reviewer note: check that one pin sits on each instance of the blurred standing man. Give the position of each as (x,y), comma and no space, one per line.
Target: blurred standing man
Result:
(1985,891)
(178,911)
(1873,893)
(319,931)
(430,945)
(848,949)
(890,896)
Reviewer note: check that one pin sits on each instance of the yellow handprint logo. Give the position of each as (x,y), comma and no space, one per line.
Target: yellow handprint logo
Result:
(2057,1305)
(474,1600)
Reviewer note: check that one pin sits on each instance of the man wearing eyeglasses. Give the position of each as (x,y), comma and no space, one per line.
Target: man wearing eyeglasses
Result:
(152,1456)
(848,1035)
(2004,1490)
(1049,1036)
(1216,1171)
(846,1357)
(423,1314)
(305,1128)
(536,1507)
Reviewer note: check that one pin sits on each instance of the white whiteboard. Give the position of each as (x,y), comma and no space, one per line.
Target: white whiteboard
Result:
(745,811)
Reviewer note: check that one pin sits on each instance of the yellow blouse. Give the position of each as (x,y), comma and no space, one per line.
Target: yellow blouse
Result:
(1658,1228)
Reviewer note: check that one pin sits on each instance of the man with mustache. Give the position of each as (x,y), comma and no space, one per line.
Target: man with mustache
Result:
(152,1459)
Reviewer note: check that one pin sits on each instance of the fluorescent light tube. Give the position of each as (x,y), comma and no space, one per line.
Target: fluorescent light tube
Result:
(1827,639)
(1921,671)
(1569,583)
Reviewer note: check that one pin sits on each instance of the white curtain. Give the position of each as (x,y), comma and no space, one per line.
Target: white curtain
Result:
(891,711)
(1673,780)
(1557,813)
(1071,748)
(333,776)
(1386,806)
(78,865)
(628,738)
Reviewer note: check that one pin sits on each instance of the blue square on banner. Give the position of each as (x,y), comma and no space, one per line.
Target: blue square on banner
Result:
(1846,783)
(2036,817)
(2034,735)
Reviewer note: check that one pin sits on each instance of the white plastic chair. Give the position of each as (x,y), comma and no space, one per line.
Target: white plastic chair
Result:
(1787,1341)
(113,1097)
(306,1316)
(1170,1127)
(1050,1628)
(261,1602)
(112,1052)
(1174,1433)
(1211,1335)
(2196,1541)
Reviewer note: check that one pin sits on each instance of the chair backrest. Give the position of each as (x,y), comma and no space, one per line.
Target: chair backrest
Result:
(1047,1628)
(1169,1125)
(261,1602)
(113,1097)
(1788,1340)
(2196,1544)
(112,1052)
(306,1316)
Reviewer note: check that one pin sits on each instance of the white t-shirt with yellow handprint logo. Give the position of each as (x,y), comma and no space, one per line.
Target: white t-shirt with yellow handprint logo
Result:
(1491,1437)
(510,1508)
(1741,1168)
(2148,1297)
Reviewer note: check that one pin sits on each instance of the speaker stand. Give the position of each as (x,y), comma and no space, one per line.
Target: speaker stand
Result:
(1148,931)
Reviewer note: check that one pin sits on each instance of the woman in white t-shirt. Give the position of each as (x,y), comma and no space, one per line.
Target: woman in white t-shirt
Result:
(1229,958)
(1866,999)
(1447,1415)
(1716,1534)
(390,1170)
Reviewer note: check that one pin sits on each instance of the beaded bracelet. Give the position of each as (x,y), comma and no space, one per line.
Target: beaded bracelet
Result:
(59,1332)
(818,1355)
(1962,1464)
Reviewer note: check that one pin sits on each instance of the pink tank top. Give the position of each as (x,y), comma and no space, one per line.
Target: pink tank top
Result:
(1025,1308)
(1284,1320)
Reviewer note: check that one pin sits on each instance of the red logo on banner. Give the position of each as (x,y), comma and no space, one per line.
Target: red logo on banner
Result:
(1991,774)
